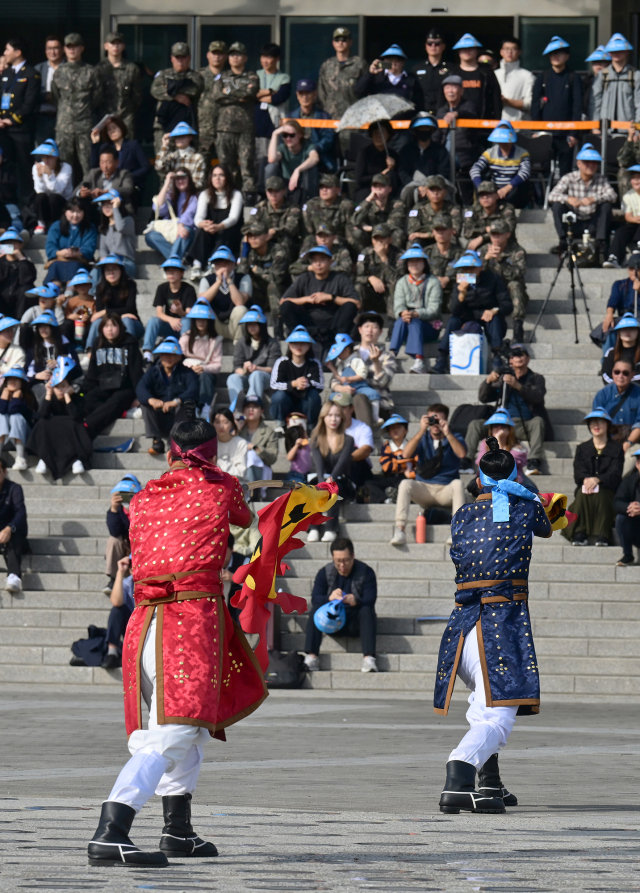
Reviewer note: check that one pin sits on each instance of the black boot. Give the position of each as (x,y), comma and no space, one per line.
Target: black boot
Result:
(111,844)
(178,837)
(490,783)
(518,331)
(460,793)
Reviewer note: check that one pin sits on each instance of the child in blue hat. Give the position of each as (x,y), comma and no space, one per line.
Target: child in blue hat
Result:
(417,302)
(627,235)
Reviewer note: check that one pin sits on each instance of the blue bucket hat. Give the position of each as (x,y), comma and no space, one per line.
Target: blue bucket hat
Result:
(330,617)
(394,50)
(556,43)
(300,336)
(338,346)
(128,484)
(81,278)
(173,263)
(598,413)
(600,54)
(627,322)
(254,314)
(413,253)
(467,41)
(183,129)
(16,372)
(45,291)
(617,43)
(46,318)
(8,322)
(395,419)
(223,253)
(49,147)
(634,167)
(111,259)
(500,417)
(107,196)
(503,133)
(64,367)
(201,310)
(468,259)
(424,119)
(169,345)
(588,153)
(320,249)
(11,235)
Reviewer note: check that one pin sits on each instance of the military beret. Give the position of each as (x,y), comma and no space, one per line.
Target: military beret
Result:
(180,49)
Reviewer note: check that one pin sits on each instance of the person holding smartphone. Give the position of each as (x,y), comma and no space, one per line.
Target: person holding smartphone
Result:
(118,546)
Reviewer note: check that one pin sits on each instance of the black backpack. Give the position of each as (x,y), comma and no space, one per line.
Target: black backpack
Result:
(286,669)
(468,412)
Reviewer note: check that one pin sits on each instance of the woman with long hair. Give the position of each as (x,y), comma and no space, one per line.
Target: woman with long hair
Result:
(52,182)
(17,409)
(117,232)
(232,449)
(627,348)
(178,194)
(131,158)
(297,380)
(331,450)
(218,219)
(71,243)
(46,344)
(202,349)
(295,159)
(117,293)
(254,356)
(501,426)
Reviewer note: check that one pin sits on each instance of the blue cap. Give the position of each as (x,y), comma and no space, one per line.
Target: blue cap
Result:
(81,278)
(617,43)
(201,310)
(330,617)
(169,345)
(46,318)
(305,85)
(300,335)
(634,167)
(338,346)
(44,291)
(223,253)
(183,129)
(16,372)
(8,322)
(627,322)
(599,412)
(395,419)
(416,252)
(588,153)
(556,43)
(466,42)
(111,259)
(11,235)
(503,133)
(599,55)
(469,259)
(500,417)
(49,147)
(107,196)
(254,314)
(173,262)
(394,50)
(319,249)
(128,484)
(64,367)
(424,119)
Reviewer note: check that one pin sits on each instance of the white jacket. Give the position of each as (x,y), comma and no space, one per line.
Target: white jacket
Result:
(515,83)
(60,184)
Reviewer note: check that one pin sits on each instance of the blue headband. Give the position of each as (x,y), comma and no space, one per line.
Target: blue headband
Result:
(501,491)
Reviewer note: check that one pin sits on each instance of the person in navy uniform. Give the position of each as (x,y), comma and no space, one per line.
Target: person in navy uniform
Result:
(488,641)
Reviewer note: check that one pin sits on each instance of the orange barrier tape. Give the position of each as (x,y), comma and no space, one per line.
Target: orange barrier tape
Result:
(479,123)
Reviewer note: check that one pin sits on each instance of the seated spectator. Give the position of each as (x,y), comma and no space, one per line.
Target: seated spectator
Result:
(297,380)
(232,449)
(626,347)
(395,468)
(11,355)
(374,159)
(525,404)
(295,159)
(377,271)
(9,210)
(387,75)
(417,300)
(178,194)
(131,158)
(110,382)
(117,233)
(202,349)
(629,232)
(422,157)
(117,293)
(227,290)
(17,408)
(174,298)
(348,368)
(162,391)
(122,607)
(323,301)
(182,156)
(106,178)
(328,207)
(17,275)
(355,583)
(622,300)
(378,208)
(45,346)
(362,436)
(282,218)
(622,401)
(587,194)
(323,139)
(331,452)
(479,296)
(437,453)
(265,264)
(489,207)
(118,545)
(262,441)
(59,437)
(597,471)
(218,220)
(297,447)
(79,308)
(435,201)
(501,426)
(53,185)
(326,237)
(380,366)
(48,298)
(627,507)
(255,353)
(507,259)
(442,254)
(13,524)
(468,141)
(506,164)
(71,243)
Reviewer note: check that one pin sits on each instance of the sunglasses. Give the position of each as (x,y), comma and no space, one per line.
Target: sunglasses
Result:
(624,372)
(288,136)
(340,39)
(434,43)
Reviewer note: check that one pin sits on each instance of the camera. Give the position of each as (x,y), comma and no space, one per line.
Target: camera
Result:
(433,420)
(569,217)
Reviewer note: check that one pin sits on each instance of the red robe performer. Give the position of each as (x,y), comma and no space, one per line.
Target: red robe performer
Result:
(182,652)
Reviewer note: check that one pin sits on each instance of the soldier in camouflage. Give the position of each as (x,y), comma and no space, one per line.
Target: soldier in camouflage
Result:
(329,208)
(174,106)
(503,255)
(266,264)
(325,236)
(442,255)
(378,207)
(121,82)
(489,207)
(283,219)
(377,271)
(235,93)
(420,222)
(207,108)
(338,77)
(75,89)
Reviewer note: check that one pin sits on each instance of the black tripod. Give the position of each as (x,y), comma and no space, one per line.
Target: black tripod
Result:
(568,256)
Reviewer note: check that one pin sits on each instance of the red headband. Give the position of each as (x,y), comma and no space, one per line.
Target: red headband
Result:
(199,457)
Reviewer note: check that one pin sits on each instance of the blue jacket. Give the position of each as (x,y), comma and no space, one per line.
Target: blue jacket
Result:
(86,240)
(622,296)
(183,384)
(323,138)
(629,413)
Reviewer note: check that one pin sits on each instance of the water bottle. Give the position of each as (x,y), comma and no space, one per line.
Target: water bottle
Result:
(79,330)
(421,528)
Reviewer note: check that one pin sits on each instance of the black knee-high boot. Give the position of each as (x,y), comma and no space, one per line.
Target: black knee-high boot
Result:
(460,793)
(178,837)
(111,844)
(490,784)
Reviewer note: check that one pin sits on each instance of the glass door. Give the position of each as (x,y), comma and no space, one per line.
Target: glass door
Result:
(307,42)
(252,31)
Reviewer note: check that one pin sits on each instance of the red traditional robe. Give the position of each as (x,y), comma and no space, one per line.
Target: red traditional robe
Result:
(207,675)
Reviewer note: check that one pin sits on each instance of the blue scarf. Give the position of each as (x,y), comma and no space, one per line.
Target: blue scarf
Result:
(500,493)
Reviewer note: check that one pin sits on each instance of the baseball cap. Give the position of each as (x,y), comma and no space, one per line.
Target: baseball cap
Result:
(180,49)
(454,79)
(276,183)
(305,85)
(518,345)
(328,180)
(114,37)
(253,399)
(341,32)
(74,40)
(435,181)
(381,229)
(499,225)
(257,228)
(487,187)
(319,249)
(341,399)
(379,180)
(217,46)
(238,47)
(325,229)
(442,219)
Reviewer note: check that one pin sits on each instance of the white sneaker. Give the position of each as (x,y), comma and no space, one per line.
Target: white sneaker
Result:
(448,541)
(85,359)
(77,467)
(311,661)
(13,583)
(20,464)
(195,273)
(369,664)
(313,536)
(611,263)
(328,536)
(41,468)
(147,356)
(279,430)
(418,367)
(134,413)
(399,538)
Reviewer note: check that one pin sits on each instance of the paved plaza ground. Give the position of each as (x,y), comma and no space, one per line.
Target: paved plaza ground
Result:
(321,793)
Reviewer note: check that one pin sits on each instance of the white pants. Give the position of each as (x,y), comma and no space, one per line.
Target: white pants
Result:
(490,726)
(165,759)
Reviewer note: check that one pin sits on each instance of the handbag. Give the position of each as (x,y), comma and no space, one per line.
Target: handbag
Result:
(168,229)
(194,361)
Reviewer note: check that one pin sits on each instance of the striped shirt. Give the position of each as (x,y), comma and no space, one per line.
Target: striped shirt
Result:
(511,170)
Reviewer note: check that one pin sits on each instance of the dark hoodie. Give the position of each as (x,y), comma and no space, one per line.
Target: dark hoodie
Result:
(115,367)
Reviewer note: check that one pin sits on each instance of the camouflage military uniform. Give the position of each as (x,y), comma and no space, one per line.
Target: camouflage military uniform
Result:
(268,275)
(476,220)
(369,214)
(286,220)
(207,115)
(75,89)
(342,260)
(159,92)
(421,220)
(171,159)
(512,266)
(629,154)
(442,265)
(369,264)
(235,97)
(121,91)
(337,216)
(336,83)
